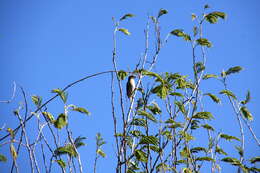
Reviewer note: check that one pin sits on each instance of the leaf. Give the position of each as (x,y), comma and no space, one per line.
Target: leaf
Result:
(37,100)
(81,110)
(248,98)
(220,151)
(125,31)
(229,138)
(180,106)
(199,66)
(176,94)
(101,153)
(186,136)
(78,142)
(138,122)
(67,149)
(228,93)
(162,12)
(2,158)
(213,97)
(193,16)
(122,74)
(205,159)
(149,140)
(198,149)
(232,70)
(214,16)
(245,112)
(162,167)
(232,161)
(13,151)
(208,127)
(206,6)
(147,115)
(154,108)
(203,115)
(61,163)
(204,42)
(63,95)
(194,124)
(255,159)
(141,156)
(49,116)
(180,33)
(240,151)
(161,91)
(152,74)
(207,76)
(129,15)
(195,31)
(185,152)
(61,121)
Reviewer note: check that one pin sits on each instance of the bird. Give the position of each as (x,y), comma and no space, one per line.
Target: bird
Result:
(130,87)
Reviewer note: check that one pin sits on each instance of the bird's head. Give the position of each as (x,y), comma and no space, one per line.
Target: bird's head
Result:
(131,77)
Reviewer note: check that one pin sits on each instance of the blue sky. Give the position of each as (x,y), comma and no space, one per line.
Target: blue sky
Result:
(48,44)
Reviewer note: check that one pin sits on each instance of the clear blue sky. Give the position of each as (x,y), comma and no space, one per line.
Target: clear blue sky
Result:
(47,44)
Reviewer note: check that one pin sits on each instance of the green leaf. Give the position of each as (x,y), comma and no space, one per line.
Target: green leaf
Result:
(13,151)
(180,33)
(126,16)
(232,70)
(149,140)
(136,133)
(63,95)
(232,161)
(161,91)
(185,152)
(37,100)
(220,150)
(61,163)
(176,94)
(207,76)
(162,12)
(240,151)
(122,74)
(208,127)
(152,74)
(206,6)
(245,112)
(125,31)
(198,149)
(248,98)
(199,66)
(180,106)
(101,153)
(213,17)
(79,141)
(67,149)
(193,16)
(204,42)
(205,159)
(147,115)
(138,122)
(154,108)
(194,124)
(229,138)
(228,93)
(255,159)
(49,116)
(203,115)
(213,97)
(162,167)
(61,121)
(186,136)
(141,156)
(81,110)
(2,158)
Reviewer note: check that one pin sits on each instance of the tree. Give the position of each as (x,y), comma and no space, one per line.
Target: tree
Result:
(156,130)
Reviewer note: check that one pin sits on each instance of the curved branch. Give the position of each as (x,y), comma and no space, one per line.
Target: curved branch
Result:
(52,98)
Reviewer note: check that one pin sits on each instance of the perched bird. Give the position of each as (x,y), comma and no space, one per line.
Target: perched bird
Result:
(130,87)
